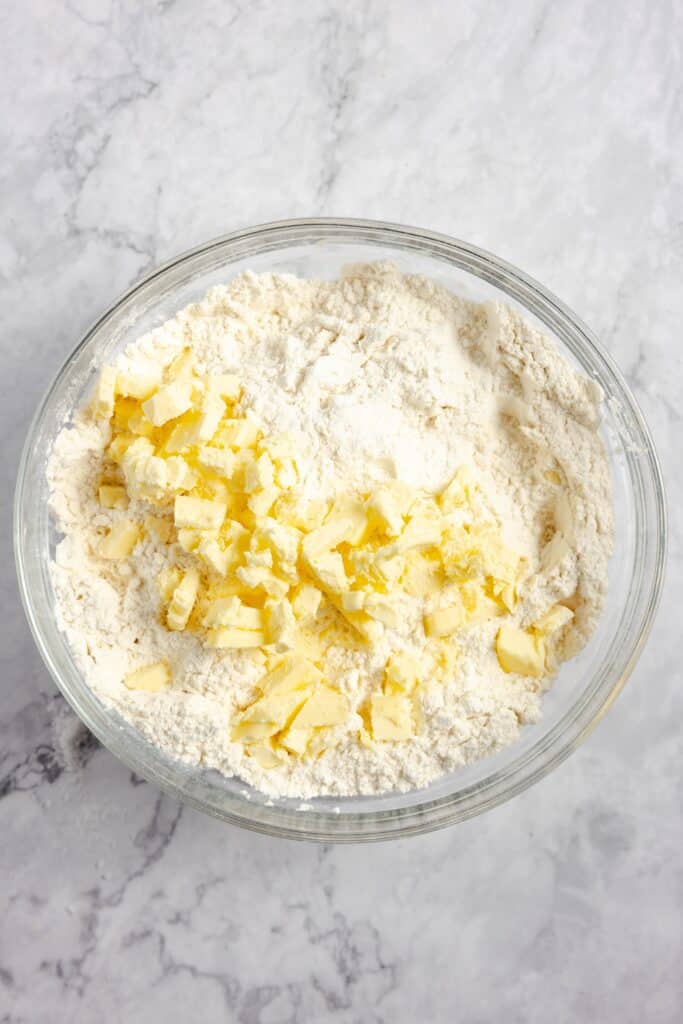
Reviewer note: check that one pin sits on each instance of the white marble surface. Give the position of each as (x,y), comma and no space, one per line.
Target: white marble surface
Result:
(547,132)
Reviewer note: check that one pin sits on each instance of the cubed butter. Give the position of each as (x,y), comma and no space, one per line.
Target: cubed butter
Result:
(105,393)
(520,652)
(168,402)
(150,678)
(391,717)
(113,496)
(120,541)
(183,601)
(199,513)
(444,621)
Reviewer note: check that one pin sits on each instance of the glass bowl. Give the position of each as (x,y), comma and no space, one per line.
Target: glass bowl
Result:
(585,687)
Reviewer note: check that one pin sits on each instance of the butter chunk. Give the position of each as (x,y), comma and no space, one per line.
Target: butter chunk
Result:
(444,621)
(113,496)
(292,673)
(391,717)
(328,569)
(520,652)
(120,541)
(237,434)
(306,602)
(219,460)
(259,474)
(296,740)
(265,756)
(216,557)
(210,415)
(183,600)
(273,710)
(233,637)
(280,625)
(168,402)
(555,618)
(261,502)
(301,513)
(139,383)
(402,672)
(160,527)
(554,552)
(105,394)
(382,608)
(347,525)
(199,513)
(325,707)
(458,493)
(254,577)
(150,678)
(387,510)
(420,533)
(230,611)
(353,600)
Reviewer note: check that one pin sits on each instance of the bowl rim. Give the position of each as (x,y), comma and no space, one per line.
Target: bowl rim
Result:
(320,825)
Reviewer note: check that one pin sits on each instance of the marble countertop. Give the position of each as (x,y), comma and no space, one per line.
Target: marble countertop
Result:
(548,133)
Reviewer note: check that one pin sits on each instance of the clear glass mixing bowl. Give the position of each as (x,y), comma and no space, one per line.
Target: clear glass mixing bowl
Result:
(585,687)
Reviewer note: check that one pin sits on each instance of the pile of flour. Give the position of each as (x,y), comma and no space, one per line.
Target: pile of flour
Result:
(380,376)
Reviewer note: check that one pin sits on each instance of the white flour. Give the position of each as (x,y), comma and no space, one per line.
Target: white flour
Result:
(381,376)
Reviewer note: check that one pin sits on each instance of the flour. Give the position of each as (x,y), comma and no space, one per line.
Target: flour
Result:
(378,376)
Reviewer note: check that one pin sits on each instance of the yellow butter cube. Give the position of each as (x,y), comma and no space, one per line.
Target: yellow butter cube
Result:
(237,434)
(261,502)
(306,602)
(233,637)
(382,608)
(265,756)
(113,496)
(292,673)
(229,611)
(199,513)
(520,652)
(386,511)
(343,525)
(402,672)
(150,678)
(328,570)
(391,717)
(554,619)
(167,580)
(139,383)
(325,707)
(353,600)
(280,625)
(168,402)
(105,393)
(218,558)
(420,533)
(218,460)
(120,541)
(210,415)
(444,621)
(256,577)
(183,600)
(160,527)
(300,512)
(259,474)
(296,740)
